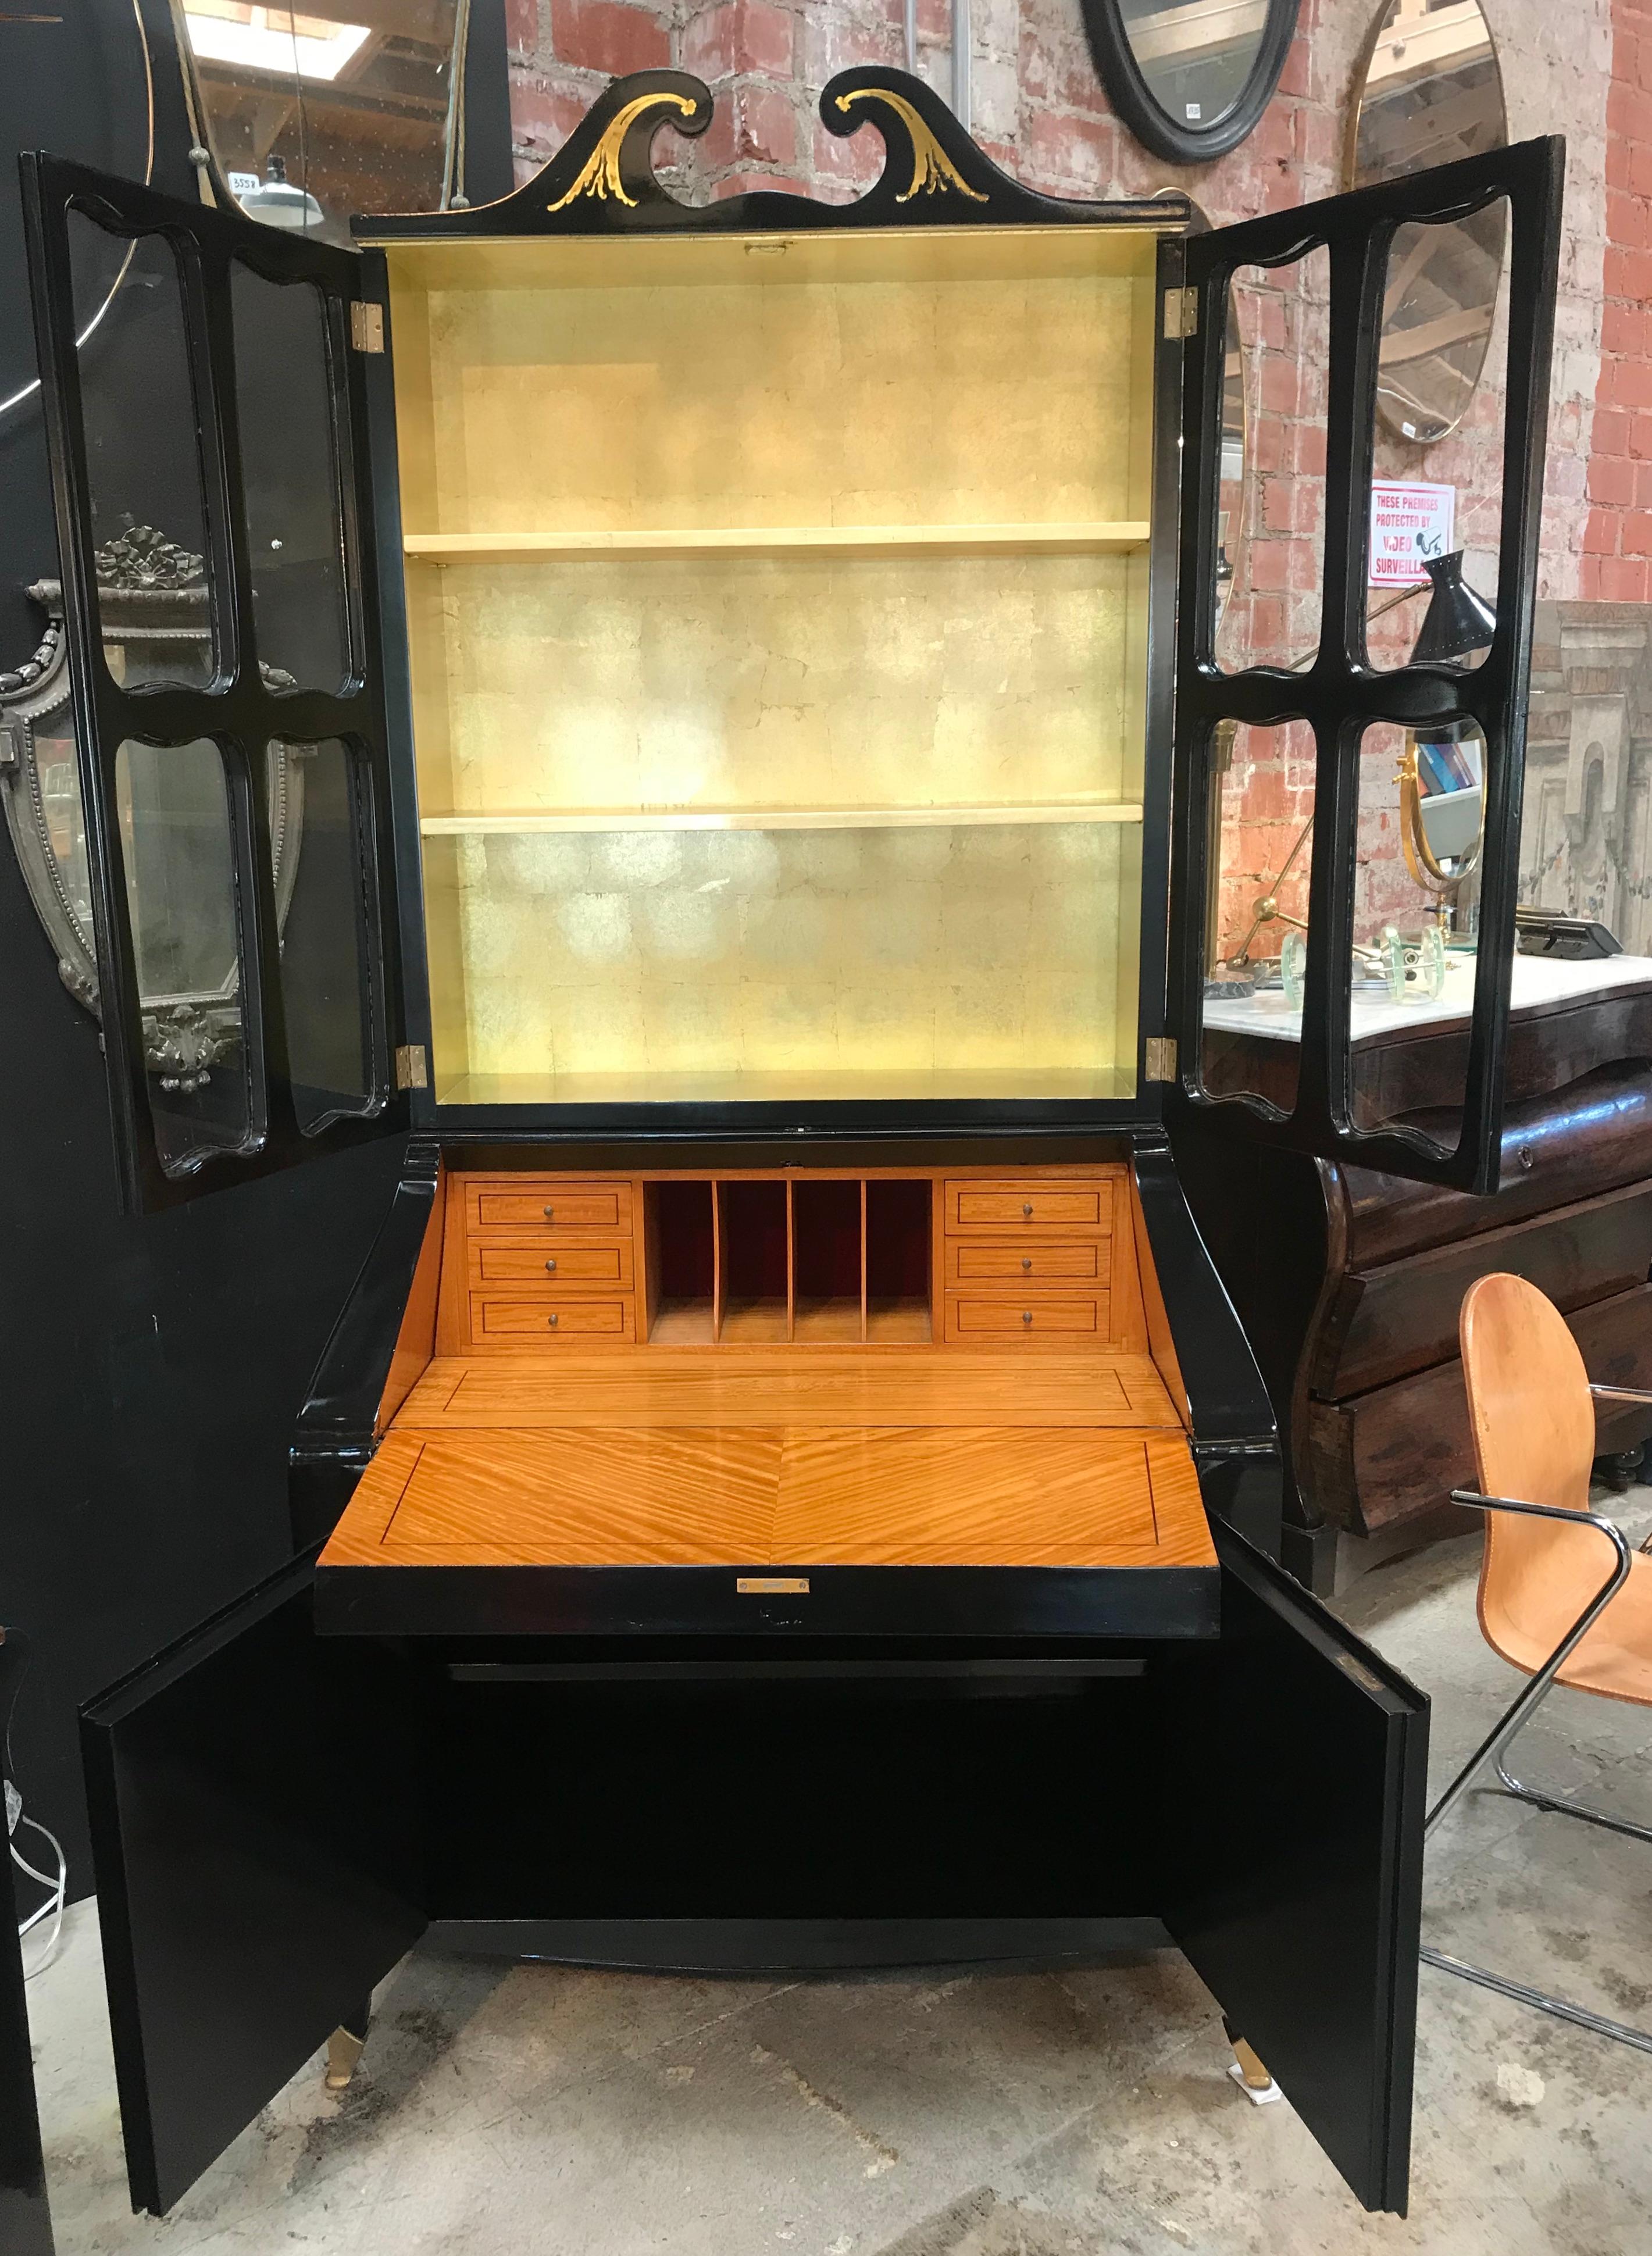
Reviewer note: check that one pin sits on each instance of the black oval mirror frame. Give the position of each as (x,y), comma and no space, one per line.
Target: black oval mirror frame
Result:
(1148,118)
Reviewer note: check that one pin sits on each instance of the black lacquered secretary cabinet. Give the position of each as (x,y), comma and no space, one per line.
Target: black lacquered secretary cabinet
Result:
(708,721)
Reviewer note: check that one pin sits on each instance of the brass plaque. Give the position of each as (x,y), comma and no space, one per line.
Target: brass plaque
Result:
(771,1586)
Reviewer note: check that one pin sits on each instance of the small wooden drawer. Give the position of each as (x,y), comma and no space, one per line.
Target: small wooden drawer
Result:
(1039,1205)
(612,1316)
(1009,1261)
(548,1202)
(559,1265)
(1003,1317)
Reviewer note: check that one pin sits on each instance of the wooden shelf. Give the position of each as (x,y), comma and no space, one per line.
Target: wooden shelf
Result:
(537,820)
(1093,538)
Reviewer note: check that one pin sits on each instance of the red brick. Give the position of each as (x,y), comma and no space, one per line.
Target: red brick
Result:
(744,35)
(1640,435)
(1612,480)
(1589,579)
(740,184)
(1635,534)
(1281,384)
(1622,329)
(1626,384)
(1626,220)
(1294,78)
(1071,155)
(607,36)
(1624,579)
(1270,566)
(522,26)
(543,116)
(1628,111)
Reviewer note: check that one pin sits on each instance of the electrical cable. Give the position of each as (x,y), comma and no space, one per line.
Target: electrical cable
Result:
(14,1650)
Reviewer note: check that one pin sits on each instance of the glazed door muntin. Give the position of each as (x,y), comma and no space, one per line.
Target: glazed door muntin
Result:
(177,1132)
(1339,693)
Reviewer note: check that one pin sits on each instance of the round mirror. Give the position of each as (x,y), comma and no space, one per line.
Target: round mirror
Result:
(1190,77)
(1432,92)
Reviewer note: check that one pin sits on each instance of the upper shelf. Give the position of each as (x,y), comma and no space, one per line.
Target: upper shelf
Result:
(1116,534)
(778,818)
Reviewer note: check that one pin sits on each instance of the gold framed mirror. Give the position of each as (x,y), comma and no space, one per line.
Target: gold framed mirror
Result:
(1431,91)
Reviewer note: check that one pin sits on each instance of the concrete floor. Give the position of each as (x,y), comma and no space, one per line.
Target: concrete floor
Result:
(506,2110)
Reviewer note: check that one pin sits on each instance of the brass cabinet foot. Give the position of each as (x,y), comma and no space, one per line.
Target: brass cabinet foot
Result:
(343,2050)
(1251,2077)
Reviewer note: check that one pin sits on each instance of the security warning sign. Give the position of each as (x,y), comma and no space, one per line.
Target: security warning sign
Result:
(1410,523)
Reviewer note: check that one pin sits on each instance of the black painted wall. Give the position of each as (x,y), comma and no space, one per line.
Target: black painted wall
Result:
(150,1371)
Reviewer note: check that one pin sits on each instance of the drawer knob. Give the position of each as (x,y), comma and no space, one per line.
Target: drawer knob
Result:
(549,1211)
(550,1264)
(1026,1210)
(1027,1260)
(1026,1316)
(551,1319)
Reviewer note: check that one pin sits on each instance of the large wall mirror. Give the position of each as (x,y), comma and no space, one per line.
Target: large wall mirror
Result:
(348,106)
(1190,77)
(1432,92)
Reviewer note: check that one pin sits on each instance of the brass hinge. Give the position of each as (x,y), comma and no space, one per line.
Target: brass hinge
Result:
(1181,312)
(411,1071)
(1160,1050)
(367,325)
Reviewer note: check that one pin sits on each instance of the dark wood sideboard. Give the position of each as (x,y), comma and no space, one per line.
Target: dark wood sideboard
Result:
(1349,1282)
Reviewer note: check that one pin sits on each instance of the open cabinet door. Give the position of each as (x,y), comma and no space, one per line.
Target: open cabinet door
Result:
(253,1809)
(207,444)
(1376,1035)
(1295,1784)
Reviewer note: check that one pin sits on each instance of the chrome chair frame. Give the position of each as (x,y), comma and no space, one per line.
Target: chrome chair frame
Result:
(1494,1747)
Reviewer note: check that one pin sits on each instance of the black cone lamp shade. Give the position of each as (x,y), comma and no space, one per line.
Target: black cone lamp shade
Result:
(1458,620)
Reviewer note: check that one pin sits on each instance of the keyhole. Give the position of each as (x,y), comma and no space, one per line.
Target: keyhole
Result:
(550,1264)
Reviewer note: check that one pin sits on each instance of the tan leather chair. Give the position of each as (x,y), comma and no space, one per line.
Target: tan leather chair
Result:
(1561,1596)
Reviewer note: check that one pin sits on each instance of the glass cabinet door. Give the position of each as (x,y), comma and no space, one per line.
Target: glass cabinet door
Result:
(209,468)
(1349,756)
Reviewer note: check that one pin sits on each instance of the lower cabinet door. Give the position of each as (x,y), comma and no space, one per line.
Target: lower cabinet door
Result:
(1295,1802)
(253,1806)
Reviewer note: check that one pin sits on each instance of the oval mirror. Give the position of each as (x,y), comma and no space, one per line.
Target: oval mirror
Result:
(1432,92)
(1190,77)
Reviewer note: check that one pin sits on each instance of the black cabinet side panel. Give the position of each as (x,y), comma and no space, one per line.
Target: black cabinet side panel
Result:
(1297,1883)
(253,1803)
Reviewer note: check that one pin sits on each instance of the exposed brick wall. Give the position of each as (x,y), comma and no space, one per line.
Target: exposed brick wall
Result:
(1040,110)
(1617,561)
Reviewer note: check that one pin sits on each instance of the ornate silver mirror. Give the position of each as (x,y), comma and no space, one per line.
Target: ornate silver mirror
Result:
(152,597)
(1432,92)
(1190,77)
